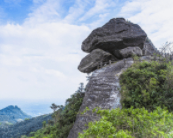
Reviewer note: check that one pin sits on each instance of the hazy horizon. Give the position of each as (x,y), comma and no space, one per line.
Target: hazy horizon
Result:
(34,108)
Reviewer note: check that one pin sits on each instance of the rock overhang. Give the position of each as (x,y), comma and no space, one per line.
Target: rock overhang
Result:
(115,35)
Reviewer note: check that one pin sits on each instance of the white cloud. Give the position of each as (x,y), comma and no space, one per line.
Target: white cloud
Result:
(39,58)
(47,11)
(154,16)
(100,7)
(76,11)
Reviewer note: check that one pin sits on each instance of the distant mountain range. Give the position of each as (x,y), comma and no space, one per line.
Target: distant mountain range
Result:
(11,115)
(14,122)
(24,127)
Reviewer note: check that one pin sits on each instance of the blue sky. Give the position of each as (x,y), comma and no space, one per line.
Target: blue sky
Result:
(40,42)
(14,11)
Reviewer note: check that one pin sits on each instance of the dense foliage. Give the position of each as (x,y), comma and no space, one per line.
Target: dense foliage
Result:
(149,85)
(64,118)
(131,123)
(146,91)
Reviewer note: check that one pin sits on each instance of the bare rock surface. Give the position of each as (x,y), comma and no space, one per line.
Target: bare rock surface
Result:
(115,35)
(92,60)
(130,51)
(103,90)
(149,49)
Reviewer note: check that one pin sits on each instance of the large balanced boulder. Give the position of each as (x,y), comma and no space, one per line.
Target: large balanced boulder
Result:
(131,51)
(92,60)
(115,35)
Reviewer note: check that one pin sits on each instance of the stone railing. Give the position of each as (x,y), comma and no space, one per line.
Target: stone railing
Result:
(154,58)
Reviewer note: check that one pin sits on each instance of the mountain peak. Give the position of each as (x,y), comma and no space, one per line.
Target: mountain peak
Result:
(12,114)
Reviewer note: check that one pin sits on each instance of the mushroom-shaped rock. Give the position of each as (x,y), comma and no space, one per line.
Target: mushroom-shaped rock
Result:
(90,62)
(115,35)
(130,51)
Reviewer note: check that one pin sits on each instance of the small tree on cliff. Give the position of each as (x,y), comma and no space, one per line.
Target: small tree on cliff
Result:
(54,107)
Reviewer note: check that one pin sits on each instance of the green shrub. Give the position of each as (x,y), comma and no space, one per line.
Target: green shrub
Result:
(64,116)
(131,123)
(145,84)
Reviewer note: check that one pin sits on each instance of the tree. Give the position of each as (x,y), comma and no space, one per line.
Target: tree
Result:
(54,107)
(167,51)
(44,124)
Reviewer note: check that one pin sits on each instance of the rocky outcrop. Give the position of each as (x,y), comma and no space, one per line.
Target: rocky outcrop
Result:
(92,60)
(102,90)
(131,51)
(115,35)
(119,38)
(149,48)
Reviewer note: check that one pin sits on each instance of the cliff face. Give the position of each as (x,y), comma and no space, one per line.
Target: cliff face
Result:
(103,90)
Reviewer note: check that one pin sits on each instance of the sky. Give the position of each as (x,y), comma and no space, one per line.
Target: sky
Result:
(40,43)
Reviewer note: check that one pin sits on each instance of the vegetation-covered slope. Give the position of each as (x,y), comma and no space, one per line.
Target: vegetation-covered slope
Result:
(131,123)
(24,127)
(12,114)
(147,90)
(149,85)
(147,95)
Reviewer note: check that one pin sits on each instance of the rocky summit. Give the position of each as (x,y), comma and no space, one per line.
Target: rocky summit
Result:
(12,114)
(113,37)
(111,50)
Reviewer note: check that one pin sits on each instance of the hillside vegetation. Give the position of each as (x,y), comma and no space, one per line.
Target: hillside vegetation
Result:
(64,118)
(148,85)
(11,115)
(147,97)
(24,127)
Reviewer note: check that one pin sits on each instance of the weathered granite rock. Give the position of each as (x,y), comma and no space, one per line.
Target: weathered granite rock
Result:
(92,60)
(103,90)
(121,39)
(130,51)
(149,48)
(115,35)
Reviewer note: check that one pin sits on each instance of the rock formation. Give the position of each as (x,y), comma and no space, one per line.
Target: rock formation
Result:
(130,51)
(113,37)
(117,40)
(91,61)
